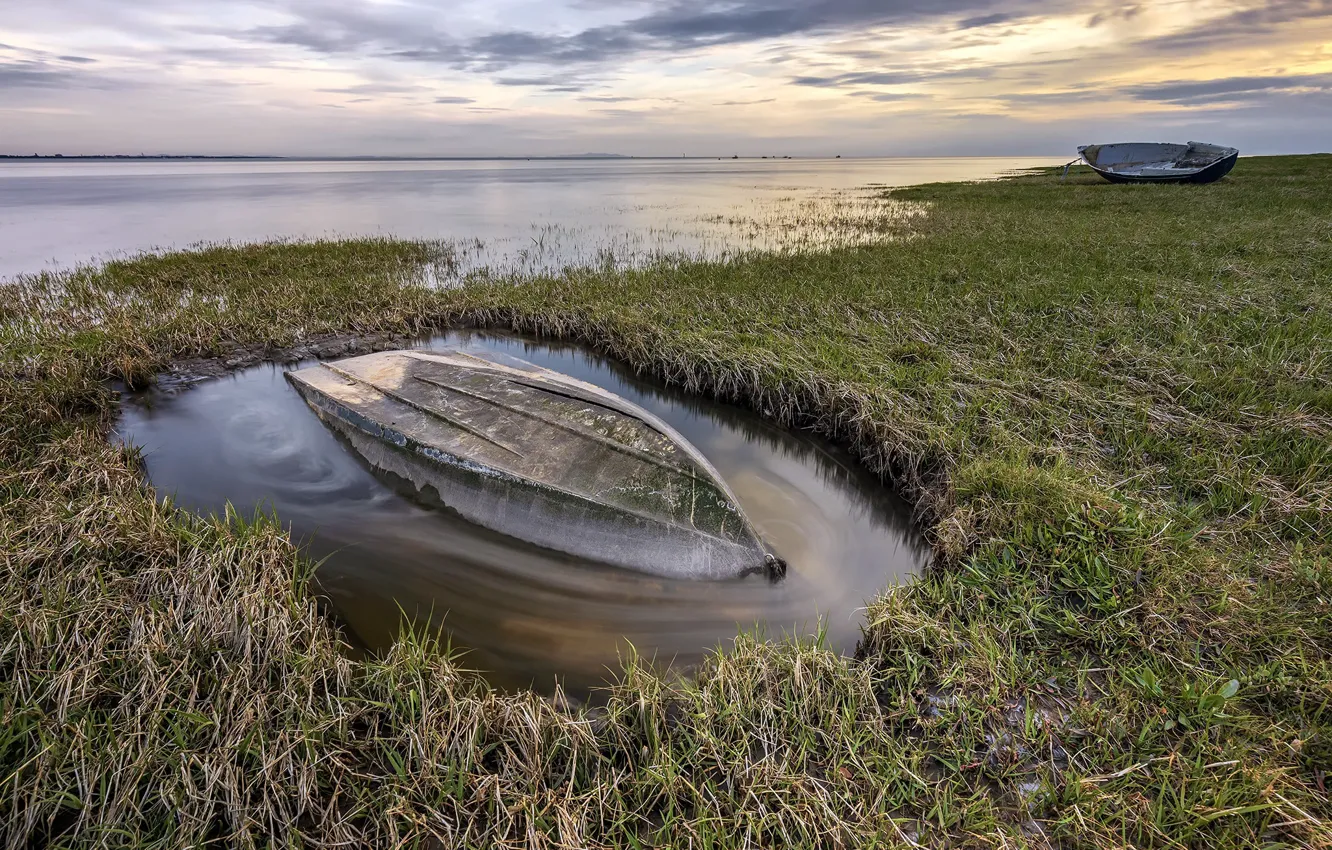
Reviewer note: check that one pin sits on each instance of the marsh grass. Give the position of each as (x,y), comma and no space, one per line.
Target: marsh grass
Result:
(1112,407)
(802,222)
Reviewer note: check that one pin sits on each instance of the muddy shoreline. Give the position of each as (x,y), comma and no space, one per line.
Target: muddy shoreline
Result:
(192,370)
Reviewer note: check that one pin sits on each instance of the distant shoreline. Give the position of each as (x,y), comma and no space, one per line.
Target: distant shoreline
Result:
(192,157)
(64,157)
(566,158)
(238,158)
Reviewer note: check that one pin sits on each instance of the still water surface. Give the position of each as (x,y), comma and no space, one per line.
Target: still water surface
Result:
(528,216)
(526,615)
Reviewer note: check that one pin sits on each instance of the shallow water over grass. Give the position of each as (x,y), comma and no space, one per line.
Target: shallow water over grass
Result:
(501,217)
(527,615)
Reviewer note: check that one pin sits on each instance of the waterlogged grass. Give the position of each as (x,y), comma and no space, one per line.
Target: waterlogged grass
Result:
(1112,405)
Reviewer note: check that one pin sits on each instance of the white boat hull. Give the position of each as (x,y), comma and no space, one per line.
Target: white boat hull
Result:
(1158,162)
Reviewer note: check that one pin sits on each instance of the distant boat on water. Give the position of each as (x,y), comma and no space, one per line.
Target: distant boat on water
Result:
(1159,162)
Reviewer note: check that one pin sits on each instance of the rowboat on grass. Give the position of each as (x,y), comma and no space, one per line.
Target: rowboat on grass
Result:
(1159,162)
(542,457)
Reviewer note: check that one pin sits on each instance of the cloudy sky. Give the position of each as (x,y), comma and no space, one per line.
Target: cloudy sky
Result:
(670,77)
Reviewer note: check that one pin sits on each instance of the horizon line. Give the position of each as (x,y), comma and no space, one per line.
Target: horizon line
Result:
(493,158)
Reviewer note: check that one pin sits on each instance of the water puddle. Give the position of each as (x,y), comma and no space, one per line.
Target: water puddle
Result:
(526,615)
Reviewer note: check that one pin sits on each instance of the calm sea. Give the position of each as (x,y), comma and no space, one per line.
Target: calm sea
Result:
(529,215)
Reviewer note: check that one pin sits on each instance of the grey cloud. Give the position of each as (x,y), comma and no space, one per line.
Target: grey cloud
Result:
(505,49)
(888,97)
(36,73)
(373,88)
(599,98)
(746,102)
(565,89)
(31,74)
(318,39)
(891,78)
(867,55)
(1228,88)
(690,24)
(861,78)
(79,59)
(1042,98)
(1243,24)
(985,20)
(669,26)
(529,81)
(327,26)
(1127,13)
(458,100)
(249,56)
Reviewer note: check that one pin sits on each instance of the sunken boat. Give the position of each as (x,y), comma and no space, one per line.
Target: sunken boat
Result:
(541,457)
(1159,162)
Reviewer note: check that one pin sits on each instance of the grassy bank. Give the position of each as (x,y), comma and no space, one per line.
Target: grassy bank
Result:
(1113,406)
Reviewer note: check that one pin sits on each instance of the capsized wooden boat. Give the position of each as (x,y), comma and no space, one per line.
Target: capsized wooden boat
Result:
(542,457)
(1159,162)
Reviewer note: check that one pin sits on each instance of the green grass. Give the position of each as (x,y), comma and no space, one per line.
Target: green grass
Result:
(1111,405)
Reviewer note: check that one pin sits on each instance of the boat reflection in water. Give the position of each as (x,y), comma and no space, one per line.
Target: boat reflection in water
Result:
(524,614)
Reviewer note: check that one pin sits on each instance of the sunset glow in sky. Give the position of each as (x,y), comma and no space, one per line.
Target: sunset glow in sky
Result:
(660,77)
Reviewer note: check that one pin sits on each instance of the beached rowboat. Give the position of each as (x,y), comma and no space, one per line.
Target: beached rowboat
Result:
(1158,162)
(542,457)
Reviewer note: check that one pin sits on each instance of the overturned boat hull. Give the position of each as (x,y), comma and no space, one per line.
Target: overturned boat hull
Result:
(541,457)
(1158,162)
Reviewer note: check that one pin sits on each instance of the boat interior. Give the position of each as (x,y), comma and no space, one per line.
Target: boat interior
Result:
(1150,159)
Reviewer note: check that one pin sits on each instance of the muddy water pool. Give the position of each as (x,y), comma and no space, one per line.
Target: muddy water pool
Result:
(526,616)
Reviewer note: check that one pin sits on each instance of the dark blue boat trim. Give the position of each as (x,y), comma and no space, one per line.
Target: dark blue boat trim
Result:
(1210,174)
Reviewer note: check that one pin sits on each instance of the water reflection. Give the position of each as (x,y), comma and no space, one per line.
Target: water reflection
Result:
(528,615)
